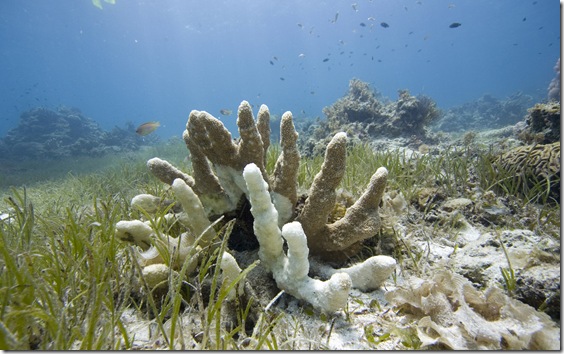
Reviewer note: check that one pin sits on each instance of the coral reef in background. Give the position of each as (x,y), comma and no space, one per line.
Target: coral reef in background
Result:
(554,86)
(228,176)
(542,124)
(46,134)
(364,116)
(485,113)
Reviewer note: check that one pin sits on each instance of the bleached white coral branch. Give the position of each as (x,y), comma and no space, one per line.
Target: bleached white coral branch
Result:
(267,232)
(330,295)
(184,247)
(231,270)
(290,271)
(366,276)
(194,216)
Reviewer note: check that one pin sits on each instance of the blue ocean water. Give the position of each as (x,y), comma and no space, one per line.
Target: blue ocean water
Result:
(156,60)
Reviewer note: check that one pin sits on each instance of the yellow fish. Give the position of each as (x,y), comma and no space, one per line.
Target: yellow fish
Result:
(147,128)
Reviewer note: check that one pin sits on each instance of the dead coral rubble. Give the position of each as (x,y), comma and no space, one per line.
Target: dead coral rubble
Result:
(535,260)
(452,314)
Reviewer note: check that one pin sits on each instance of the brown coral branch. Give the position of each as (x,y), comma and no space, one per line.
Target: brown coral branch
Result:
(361,220)
(212,138)
(205,180)
(322,194)
(250,149)
(263,126)
(167,173)
(286,168)
(207,137)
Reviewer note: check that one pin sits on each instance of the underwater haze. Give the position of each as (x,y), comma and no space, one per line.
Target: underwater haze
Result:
(138,61)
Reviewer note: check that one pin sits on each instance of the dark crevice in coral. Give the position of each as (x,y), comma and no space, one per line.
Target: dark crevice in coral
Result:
(242,237)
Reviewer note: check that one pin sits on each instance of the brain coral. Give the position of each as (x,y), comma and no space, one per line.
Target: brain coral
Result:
(534,163)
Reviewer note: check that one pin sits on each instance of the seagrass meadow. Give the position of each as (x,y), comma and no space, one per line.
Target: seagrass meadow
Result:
(67,283)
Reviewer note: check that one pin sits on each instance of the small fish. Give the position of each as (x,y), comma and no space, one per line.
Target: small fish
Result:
(271,63)
(336,18)
(302,55)
(312,92)
(524,19)
(371,18)
(455,24)
(325,60)
(384,24)
(281,78)
(225,112)
(354,7)
(362,24)
(300,25)
(275,58)
(147,128)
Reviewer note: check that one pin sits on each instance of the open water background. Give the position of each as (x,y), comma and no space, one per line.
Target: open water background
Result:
(157,60)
